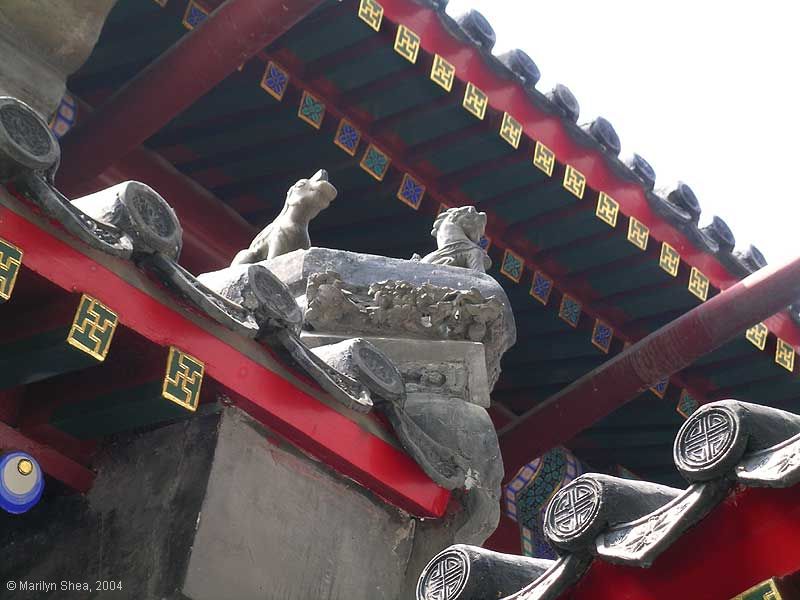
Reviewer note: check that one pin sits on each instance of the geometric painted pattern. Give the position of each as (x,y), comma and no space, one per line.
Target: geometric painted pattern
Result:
(541,287)
(766,590)
(638,233)
(669,260)
(512,266)
(275,81)
(757,335)
(10,262)
(194,15)
(375,162)
(602,335)
(784,355)
(406,44)
(574,181)
(544,158)
(410,191)
(475,101)
(569,310)
(347,137)
(698,284)
(371,13)
(443,73)
(92,328)
(511,130)
(607,209)
(65,117)
(311,110)
(687,404)
(660,388)
(485,243)
(183,379)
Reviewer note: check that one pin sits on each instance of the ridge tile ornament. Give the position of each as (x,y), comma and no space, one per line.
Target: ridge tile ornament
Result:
(194,15)
(10,262)
(544,159)
(757,335)
(93,328)
(458,233)
(411,192)
(784,355)
(347,137)
(443,73)
(638,233)
(275,81)
(289,231)
(602,334)
(698,284)
(511,130)
(183,379)
(574,182)
(375,162)
(513,265)
(406,44)
(541,287)
(669,259)
(371,12)
(475,101)
(445,577)
(660,388)
(311,110)
(686,404)
(569,310)
(607,209)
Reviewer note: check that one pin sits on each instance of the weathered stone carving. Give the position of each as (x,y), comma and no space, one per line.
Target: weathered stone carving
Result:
(289,231)
(458,234)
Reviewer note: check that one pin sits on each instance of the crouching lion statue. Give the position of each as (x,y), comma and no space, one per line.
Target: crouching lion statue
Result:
(289,231)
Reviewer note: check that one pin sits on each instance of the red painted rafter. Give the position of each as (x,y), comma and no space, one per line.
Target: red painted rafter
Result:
(287,408)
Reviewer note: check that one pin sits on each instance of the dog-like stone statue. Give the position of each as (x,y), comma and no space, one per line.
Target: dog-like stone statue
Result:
(458,233)
(289,231)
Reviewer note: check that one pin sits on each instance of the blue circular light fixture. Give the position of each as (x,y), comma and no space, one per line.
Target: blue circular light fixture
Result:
(21,482)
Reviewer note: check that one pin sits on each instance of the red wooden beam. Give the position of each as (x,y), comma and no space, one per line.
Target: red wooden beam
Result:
(244,368)
(233,33)
(752,536)
(663,352)
(55,464)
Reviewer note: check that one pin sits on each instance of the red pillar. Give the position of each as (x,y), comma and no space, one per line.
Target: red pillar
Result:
(233,33)
(664,352)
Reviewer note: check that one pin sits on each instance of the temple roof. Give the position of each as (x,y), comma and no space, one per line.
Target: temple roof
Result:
(409,110)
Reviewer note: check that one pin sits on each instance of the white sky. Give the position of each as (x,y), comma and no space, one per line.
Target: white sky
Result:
(704,90)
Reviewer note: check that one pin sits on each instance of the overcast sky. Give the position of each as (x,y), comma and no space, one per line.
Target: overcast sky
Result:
(703,90)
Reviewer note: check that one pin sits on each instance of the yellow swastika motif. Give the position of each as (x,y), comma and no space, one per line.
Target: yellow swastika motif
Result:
(10,262)
(544,158)
(669,260)
(784,355)
(92,328)
(511,130)
(371,13)
(766,590)
(698,284)
(183,379)
(443,73)
(757,335)
(638,233)
(475,101)
(574,181)
(607,209)
(406,43)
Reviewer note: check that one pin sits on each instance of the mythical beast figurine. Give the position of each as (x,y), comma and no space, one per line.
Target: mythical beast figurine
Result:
(458,232)
(289,231)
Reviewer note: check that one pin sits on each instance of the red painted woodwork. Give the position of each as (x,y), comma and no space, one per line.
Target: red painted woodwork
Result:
(55,464)
(193,66)
(301,418)
(506,95)
(752,536)
(665,351)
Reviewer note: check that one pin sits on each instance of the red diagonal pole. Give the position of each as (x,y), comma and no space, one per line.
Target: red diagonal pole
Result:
(664,352)
(233,33)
